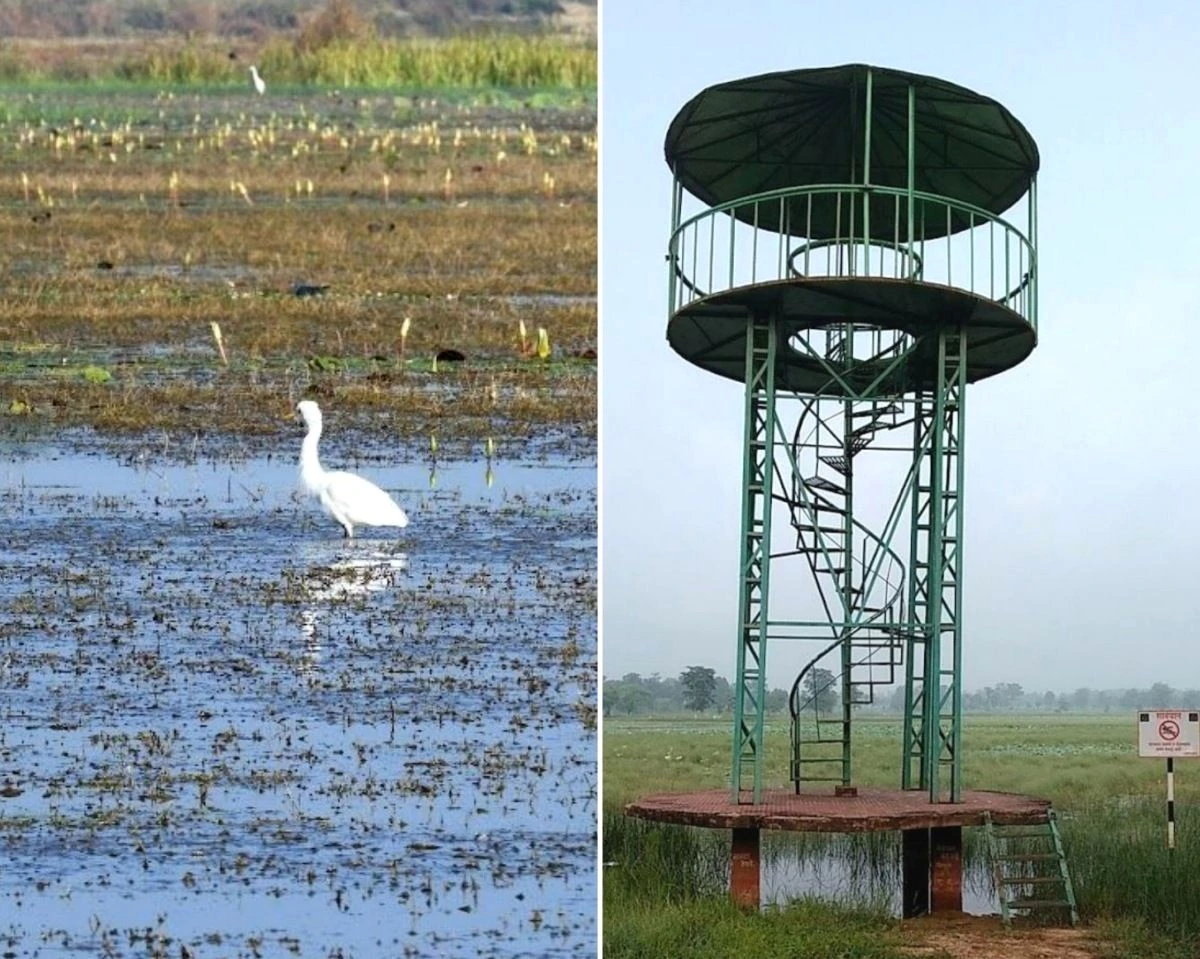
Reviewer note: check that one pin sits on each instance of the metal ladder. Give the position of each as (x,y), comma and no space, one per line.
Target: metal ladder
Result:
(1030,868)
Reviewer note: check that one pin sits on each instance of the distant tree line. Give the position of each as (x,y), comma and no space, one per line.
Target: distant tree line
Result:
(699,689)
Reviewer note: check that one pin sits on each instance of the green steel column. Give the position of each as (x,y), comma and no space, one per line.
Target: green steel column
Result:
(913,738)
(912,166)
(938,601)
(932,731)
(914,638)
(1033,283)
(757,477)
(947,756)
(934,557)
(847,576)
(672,278)
(960,430)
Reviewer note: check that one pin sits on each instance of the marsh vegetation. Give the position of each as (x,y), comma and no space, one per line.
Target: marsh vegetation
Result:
(224,731)
(138,221)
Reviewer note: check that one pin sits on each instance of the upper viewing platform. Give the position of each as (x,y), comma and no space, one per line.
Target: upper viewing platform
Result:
(853,196)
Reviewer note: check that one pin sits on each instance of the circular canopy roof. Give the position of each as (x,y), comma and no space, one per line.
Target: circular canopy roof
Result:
(804,127)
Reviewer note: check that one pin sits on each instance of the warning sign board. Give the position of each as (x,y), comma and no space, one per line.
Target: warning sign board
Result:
(1168,732)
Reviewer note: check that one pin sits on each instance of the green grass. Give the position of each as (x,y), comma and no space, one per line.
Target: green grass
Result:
(713,927)
(1122,870)
(1142,900)
(1136,939)
(1071,759)
(664,896)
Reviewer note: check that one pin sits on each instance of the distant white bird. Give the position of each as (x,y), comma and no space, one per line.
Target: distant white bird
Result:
(259,85)
(348,498)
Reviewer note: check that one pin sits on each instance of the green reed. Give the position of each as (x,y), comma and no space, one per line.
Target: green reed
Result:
(486,61)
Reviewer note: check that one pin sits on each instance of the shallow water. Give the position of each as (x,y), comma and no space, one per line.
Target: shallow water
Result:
(224,727)
(841,879)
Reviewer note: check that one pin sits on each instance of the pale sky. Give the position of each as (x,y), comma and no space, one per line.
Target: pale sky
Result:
(1080,494)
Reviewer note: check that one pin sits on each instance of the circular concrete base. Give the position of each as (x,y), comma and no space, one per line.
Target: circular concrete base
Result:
(872,810)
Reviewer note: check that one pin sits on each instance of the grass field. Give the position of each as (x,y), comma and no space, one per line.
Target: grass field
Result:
(1136,898)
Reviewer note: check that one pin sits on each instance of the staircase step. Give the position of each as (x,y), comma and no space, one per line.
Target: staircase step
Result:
(1038,903)
(1029,857)
(821,483)
(839,463)
(876,411)
(1030,880)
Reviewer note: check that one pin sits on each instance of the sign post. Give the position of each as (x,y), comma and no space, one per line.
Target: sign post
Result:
(1170,733)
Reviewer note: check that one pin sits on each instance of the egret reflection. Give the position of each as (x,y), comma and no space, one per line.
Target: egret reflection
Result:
(352,578)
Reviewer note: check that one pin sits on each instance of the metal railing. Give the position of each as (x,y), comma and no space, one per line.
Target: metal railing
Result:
(877,232)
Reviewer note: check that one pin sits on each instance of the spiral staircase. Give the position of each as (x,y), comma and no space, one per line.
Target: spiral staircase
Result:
(859,578)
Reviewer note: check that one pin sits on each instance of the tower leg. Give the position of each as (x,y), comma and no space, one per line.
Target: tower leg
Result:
(750,689)
(745,874)
(932,757)
(945,869)
(914,867)
(931,866)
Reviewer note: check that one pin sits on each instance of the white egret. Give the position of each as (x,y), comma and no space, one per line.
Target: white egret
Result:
(346,497)
(259,84)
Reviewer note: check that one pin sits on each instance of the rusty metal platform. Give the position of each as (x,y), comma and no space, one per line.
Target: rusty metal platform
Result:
(872,810)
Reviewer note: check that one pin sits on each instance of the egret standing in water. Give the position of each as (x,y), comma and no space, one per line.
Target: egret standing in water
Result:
(259,84)
(346,497)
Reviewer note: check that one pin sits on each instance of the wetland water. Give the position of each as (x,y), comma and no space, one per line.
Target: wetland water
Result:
(858,881)
(226,731)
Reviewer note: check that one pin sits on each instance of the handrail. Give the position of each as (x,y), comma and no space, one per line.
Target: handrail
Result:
(811,245)
(818,189)
(682,277)
(1017,290)
(949,243)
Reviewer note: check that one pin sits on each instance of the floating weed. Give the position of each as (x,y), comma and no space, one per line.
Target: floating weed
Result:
(95,374)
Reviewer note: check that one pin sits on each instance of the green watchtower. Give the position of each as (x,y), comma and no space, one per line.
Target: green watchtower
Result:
(864,246)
